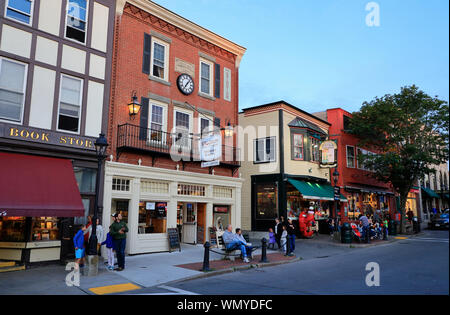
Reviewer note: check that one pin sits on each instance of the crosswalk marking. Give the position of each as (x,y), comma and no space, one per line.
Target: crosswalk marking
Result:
(437,240)
(175,291)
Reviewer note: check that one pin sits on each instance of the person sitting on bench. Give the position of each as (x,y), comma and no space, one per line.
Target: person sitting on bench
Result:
(232,242)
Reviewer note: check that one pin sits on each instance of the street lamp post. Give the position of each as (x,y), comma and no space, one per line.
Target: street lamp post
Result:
(100,147)
(336,188)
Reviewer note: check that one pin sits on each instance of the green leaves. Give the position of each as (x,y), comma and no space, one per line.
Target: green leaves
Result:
(408,130)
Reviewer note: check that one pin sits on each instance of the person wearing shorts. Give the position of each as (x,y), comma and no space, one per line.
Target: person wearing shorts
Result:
(78,242)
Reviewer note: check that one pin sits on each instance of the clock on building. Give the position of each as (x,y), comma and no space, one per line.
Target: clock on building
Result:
(185,84)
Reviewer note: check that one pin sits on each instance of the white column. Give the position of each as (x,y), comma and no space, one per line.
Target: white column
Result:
(133,216)
(209,219)
(237,207)
(172,206)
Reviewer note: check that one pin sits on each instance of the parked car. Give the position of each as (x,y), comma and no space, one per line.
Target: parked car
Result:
(440,222)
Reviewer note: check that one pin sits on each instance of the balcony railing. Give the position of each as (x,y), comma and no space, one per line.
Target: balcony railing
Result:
(179,145)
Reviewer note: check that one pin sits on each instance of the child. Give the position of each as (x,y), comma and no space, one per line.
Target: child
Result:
(272,240)
(78,242)
(283,239)
(110,249)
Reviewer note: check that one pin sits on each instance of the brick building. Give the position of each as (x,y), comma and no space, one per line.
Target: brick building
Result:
(362,192)
(186,80)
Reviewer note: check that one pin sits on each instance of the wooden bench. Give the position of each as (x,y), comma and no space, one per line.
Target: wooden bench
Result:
(230,254)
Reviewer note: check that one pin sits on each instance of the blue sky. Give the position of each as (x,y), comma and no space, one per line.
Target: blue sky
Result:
(321,54)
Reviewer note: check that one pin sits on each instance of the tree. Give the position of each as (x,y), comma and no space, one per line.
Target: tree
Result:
(409,132)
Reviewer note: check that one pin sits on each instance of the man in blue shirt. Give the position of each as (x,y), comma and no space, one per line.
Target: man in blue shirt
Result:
(232,241)
(78,243)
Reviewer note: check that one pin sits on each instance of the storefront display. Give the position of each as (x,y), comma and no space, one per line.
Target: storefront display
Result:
(45,229)
(221,217)
(152,217)
(266,201)
(12,229)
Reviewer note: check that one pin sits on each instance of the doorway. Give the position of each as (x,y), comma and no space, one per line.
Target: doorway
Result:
(191,222)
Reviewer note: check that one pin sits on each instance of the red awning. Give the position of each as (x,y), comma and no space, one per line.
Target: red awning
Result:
(36,186)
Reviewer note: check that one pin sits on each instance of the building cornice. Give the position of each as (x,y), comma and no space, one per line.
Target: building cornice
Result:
(184,24)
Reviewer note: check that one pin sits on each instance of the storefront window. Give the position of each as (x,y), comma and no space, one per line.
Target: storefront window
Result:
(44,229)
(152,217)
(12,229)
(221,217)
(353,206)
(411,203)
(86,178)
(294,203)
(266,201)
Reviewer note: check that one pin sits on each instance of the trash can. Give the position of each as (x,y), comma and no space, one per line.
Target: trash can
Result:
(392,227)
(346,233)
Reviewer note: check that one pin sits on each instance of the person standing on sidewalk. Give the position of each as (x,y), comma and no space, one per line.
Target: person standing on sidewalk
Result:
(278,231)
(99,233)
(78,243)
(291,237)
(366,227)
(118,232)
(110,250)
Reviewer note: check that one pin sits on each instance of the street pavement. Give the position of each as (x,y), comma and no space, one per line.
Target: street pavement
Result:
(416,265)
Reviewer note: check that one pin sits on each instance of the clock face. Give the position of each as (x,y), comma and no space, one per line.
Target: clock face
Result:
(185,84)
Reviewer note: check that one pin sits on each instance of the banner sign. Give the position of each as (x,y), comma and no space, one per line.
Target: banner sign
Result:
(211,150)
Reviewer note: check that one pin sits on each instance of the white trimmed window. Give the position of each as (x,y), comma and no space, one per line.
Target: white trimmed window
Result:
(182,127)
(298,147)
(76,20)
(227,84)
(13,78)
(351,163)
(264,150)
(157,121)
(20,10)
(70,96)
(120,184)
(159,63)
(191,190)
(206,77)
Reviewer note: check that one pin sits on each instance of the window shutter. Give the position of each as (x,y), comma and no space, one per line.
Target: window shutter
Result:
(217,81)
(144,119)
(217,122)
(147,53)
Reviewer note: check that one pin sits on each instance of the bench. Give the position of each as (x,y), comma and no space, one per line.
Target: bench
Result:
(230,254)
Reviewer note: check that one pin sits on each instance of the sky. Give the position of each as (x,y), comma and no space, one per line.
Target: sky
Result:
(322,54)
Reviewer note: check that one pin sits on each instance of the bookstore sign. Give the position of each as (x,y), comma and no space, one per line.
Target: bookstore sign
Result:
(47,137)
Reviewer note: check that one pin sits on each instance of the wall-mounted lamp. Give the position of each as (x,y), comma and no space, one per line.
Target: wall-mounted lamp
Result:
(134,106)
(228,132)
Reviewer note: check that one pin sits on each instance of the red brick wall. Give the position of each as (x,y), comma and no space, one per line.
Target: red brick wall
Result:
(128,76)
(348,176)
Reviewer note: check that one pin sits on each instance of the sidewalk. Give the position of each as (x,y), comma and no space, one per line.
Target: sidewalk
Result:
(153,270)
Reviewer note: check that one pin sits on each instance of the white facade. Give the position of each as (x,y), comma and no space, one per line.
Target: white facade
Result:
(169,180)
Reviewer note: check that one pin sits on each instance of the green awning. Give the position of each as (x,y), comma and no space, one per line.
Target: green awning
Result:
(315,191)
(430,192)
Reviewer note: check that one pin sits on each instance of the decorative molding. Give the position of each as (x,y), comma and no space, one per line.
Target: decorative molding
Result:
(209,97)
(207,57)
(184,29)
(157,97)
(161,36)
(183,105)
(206,112)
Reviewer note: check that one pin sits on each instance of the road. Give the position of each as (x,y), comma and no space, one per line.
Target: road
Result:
(419,265)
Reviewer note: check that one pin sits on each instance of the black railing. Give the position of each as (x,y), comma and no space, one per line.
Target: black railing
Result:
(179,145)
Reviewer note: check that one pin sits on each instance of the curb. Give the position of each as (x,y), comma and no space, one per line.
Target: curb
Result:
(208,274)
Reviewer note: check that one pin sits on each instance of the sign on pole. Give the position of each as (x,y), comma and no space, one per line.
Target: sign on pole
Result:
(328,154)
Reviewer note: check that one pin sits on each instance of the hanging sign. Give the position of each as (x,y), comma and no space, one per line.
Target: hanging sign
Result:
(211,150)
(328,154)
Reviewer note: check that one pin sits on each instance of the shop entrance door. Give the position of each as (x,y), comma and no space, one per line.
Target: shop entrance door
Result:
(190,223)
